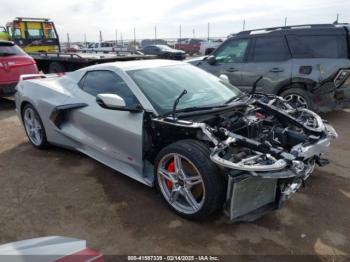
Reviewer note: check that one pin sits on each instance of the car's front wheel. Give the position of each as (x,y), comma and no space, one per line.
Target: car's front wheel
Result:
(188,180)
(34,127)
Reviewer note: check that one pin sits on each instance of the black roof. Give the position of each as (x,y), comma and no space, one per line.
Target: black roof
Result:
(293,28)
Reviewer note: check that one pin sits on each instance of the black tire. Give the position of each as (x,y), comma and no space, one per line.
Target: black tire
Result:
(44,143)
(300,92)
(56,67)
(214,182)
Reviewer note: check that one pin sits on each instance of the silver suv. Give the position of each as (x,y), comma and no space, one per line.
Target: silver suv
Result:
(308,65)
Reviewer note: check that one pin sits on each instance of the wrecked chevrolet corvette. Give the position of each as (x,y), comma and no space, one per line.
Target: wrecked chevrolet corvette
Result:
(201,142)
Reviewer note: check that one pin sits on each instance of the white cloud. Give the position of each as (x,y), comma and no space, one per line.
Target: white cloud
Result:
(89,16)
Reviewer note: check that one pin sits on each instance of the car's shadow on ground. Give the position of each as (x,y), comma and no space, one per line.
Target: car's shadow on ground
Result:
(7,103)
(7,107)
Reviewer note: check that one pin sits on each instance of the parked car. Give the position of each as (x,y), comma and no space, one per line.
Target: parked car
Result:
(164,51)
(204,144)
(147,42)
(13,63)
(50,249)
(190,45)
(307,65)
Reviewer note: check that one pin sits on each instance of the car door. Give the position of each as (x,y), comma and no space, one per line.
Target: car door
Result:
(111,136)
(230,59)
(269,57)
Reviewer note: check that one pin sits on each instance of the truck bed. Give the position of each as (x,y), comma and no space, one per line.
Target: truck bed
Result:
(73,61)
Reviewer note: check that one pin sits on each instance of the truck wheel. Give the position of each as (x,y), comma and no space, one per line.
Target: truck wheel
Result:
(298,97)
(56,67)
(189,182)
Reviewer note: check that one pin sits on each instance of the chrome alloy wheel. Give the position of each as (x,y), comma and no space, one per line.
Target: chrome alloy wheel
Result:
(296,101)
(33,126)
(181,183)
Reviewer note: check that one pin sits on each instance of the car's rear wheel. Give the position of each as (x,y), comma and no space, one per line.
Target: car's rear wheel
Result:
(297,98)
(189,182)
(34,127)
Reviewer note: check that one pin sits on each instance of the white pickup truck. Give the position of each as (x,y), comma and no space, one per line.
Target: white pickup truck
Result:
(207,47)
(105,47)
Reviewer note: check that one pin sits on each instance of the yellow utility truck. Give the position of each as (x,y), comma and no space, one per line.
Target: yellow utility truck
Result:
(39,38)
(33,34)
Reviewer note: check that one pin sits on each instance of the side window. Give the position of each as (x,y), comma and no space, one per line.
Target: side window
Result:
(318,46)
(268,49)
(35,33)
(107,82)
(17,33)
(232,52)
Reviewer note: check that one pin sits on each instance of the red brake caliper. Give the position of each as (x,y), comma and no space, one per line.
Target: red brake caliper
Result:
(170,168)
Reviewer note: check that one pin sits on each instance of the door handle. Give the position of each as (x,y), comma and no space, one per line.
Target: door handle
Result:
(232,69)
(277,70)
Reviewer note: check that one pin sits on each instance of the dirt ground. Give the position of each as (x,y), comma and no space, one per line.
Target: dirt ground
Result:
(59,192)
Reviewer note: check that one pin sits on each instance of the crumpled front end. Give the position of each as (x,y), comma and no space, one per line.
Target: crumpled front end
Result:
(266,148)
(266,171)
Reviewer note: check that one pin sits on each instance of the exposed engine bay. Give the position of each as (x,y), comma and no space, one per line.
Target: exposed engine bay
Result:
(261,137)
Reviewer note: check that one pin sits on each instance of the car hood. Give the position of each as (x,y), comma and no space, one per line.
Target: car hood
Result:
(51,248)
(196,60)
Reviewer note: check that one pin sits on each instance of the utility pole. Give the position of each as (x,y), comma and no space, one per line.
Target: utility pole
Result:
(243,24)
(193,32)
(135,39)
(121,39)
(68,40)
(101,39)
(285,21)
(180,33)
(337,18)
(116,38)
(155,32)
(208,31)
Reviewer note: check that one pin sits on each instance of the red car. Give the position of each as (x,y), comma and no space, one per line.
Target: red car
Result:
(190,46)
(13,63)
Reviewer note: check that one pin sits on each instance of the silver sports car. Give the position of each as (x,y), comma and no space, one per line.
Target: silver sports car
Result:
(204,144)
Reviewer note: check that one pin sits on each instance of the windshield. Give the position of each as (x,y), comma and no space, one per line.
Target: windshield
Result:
(10,49)
(162,85)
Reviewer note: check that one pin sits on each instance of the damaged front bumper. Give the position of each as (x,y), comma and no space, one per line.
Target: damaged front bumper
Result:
(250,197)
(254,189)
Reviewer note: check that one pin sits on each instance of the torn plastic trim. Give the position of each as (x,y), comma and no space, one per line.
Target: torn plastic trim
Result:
(317,149)
(242,165)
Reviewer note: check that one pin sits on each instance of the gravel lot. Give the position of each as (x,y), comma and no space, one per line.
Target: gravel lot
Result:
(59,192)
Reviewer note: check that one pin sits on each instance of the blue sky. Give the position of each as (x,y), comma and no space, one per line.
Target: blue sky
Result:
(79,17)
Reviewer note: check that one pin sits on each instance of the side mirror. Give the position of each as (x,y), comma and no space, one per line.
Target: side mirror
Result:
(211,60)
(115,102)
(224,78)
